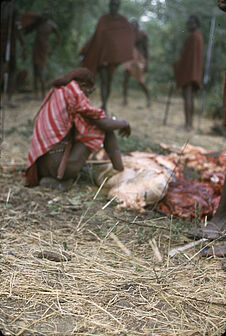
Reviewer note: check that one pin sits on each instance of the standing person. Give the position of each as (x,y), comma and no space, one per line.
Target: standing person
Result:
(10,32)
(111,45)
(217,226)
(67,130)
(189,68)
(44,28)
(138,66)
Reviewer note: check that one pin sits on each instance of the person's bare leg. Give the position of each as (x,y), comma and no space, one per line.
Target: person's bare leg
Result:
(112,148)
(77,158)
(42,81)
(184,94)
(217,225)
(188,106)
(145,89)
(12,83)
(35,74)
(49,163)
(125,87)
(191,105)
(105,86)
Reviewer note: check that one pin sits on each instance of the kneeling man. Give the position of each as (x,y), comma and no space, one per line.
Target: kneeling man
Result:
(67,130)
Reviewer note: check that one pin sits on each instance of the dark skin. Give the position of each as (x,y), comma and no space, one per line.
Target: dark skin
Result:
(9,66)
(189,90)
(217,226)
(48,164)
(105,74)
(44,30)
(12,75)
(143,48)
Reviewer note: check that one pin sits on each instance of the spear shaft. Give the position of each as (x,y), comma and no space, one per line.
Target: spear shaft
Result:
(6,74)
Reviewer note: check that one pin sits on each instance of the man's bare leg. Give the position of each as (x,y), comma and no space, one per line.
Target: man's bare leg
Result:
(35,81)
(217,226)
(77,158)
(188,106)
(49,163)
(125,87)
(11,83)
(42,81)
(145,89)
(105,86)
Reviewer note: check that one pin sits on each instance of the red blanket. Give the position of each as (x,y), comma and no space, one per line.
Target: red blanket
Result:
(112,42)
(188,69)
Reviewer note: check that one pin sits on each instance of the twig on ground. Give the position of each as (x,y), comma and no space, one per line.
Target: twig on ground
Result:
(179,249)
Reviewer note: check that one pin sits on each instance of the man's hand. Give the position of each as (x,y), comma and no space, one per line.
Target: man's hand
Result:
(126,130)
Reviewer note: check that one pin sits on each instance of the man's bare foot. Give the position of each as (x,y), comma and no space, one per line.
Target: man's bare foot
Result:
(218,251)
(214,230)
(52,183)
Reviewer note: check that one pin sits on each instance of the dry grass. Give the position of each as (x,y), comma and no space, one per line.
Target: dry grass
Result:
(114,284)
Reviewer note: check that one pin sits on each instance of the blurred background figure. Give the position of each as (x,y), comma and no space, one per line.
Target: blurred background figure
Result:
(189,68)
(44,27)
(10,33)
(111,45)
(138,66)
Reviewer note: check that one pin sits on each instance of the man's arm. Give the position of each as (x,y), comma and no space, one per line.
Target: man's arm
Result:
(109,125)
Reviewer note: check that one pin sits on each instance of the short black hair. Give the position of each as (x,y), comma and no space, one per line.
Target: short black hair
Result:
(196,19)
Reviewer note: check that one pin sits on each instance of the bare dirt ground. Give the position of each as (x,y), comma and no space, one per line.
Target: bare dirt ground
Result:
(113,284)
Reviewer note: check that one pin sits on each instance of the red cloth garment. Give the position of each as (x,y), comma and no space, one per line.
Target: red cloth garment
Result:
(189,68)
(112,43)
(136,66)
(28,20)
(66,107)
(41,44)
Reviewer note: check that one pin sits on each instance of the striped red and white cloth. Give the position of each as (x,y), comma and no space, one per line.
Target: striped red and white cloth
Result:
(66,107)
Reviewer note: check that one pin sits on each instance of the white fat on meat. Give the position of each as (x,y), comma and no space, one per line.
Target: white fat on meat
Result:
(143,181)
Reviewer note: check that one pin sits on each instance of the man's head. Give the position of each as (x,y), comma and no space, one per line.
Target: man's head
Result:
(222,5)
(193,23)
(82,76)
(114,6)
(134,23)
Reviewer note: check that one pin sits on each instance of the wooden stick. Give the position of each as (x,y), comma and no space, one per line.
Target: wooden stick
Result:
(178,249)
(98,161)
